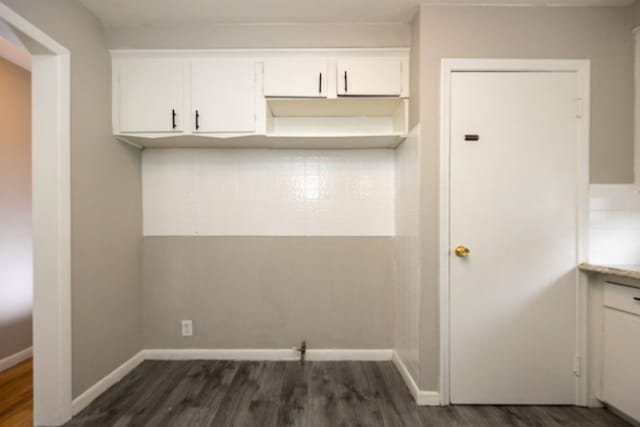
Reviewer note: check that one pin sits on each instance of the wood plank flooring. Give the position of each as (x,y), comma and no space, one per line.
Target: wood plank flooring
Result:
(16,396)
(227,393)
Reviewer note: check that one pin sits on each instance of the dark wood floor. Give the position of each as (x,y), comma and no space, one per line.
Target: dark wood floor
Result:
(224,393)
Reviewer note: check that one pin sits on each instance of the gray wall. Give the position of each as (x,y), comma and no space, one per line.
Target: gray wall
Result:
(106,205)
(16,273)
(213,36)
(105,201)
(268,292)
(600,34)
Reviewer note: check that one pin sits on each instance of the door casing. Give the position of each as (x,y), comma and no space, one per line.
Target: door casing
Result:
(582,68)
(51,216)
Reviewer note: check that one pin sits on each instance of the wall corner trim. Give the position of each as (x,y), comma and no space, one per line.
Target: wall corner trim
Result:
(422,397)
(89,395)
(15,358)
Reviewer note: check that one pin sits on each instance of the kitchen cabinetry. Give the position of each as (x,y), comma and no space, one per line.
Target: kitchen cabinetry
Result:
(265,98)
(303,77)
(223,95)
(150,96)
(621,355)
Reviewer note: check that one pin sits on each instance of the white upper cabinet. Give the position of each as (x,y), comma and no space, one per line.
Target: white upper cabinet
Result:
(150,96)
(261,98)
(369,77)
(223,95)
(296,78)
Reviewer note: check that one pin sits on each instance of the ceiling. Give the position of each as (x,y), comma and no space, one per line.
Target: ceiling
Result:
(129,13)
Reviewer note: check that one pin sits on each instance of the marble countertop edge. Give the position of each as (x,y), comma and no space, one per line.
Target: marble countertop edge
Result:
(626,271)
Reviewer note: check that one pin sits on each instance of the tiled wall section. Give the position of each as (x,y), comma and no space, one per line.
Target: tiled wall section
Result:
(199,192)
(615,224)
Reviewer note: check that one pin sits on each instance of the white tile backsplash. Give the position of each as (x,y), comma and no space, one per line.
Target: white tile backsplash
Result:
(201,192)
(615,224)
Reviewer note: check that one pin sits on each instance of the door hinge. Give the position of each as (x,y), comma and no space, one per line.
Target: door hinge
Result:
(579,108)
(576,364)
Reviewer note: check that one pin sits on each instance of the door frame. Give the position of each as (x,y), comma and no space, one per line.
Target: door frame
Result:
(51,216)
(582,68)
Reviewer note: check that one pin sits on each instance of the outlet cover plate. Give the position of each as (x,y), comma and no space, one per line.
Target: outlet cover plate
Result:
(187,328)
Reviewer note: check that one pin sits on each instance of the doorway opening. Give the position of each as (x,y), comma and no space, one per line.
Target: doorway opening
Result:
(16,283)
(50,219)
(578,190)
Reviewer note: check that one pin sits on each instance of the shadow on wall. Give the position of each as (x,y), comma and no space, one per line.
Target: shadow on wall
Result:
(16,281)
(15,330)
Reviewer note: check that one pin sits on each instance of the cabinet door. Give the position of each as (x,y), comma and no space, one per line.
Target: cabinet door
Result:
(369,76)
(151,96)
(621,375)
(223,95)
(303,77)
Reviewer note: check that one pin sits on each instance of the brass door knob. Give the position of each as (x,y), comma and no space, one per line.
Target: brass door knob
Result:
(462,251)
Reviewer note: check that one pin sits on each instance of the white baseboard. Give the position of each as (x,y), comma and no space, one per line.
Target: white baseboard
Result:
(422,397)
(632,421)
(380,355)
(82,401)
(269,354)
(14,359)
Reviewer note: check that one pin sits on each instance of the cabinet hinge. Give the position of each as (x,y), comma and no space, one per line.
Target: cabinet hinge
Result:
(576,364)
(579,108)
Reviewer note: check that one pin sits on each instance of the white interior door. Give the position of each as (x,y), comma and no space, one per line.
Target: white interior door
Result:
(514,206)
(151,96)
(304,77)
(223,95)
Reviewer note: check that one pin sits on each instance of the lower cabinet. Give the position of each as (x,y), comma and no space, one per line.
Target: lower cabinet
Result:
(621,372)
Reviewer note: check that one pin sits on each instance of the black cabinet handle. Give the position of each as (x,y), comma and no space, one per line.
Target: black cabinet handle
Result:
(320,84)
(197,120)
(636,298)
(345,82)
(173,118)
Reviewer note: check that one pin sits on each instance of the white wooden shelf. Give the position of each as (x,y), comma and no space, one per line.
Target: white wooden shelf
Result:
(267,141)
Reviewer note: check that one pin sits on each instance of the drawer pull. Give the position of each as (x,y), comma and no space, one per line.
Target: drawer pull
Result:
(636,299)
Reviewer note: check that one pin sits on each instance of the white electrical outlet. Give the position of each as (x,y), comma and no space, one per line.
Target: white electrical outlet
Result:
(187,328)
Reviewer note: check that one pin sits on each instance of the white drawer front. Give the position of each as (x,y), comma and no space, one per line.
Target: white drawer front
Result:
(622,298)
(621,376)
